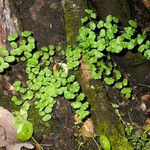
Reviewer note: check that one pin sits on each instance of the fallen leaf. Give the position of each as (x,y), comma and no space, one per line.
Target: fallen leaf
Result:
(55,68)
(85,71)
(38,147)
(148,120)
(77,119)
(87,129)
(147,3)
(10,130)
(145,97)
(18,146)
(143,106)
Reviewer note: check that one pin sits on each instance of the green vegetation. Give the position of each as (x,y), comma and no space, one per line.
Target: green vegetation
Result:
(98,40)
(105,142)
(140,141)
(48,78)
(24,131)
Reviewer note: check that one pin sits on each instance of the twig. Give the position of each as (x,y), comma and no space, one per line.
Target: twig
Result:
(144,85)
(37,143)
(96,143)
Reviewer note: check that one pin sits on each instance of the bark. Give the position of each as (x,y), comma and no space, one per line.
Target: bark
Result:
(118,8)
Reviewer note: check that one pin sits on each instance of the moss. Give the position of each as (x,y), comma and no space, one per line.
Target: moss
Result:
(73,11)
(106,122)
(39,125)
(4,101)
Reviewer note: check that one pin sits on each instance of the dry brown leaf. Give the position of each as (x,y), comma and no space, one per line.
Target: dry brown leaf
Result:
(55,68)
(6,119)
(38,147)
(145,97)
(147,3)
(148,120)
(18,146)
(85,71)
(87,129)
(77,119)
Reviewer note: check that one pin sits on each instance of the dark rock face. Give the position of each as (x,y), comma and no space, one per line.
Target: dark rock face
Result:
(44,18)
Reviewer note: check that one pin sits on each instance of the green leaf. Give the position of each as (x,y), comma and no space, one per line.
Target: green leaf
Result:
(127,92)
(58,48)
(5,65)
(96,75)
(74,87)
(142,48)
(13,45)
(3,51)
(32,62)
(105,144)
(125,82)
(88,11)
(17,85)
(100,24)
(26,106)
(80,97)
(84,106)
(114,28)
(22,42)
(9,59)
(147,54)
(44,48)
(47,117)
(12,37)
(133,23)
(1,69)
(48,109)
(24,131)
(92,25)
(102,33)
(140,39)
(109,81)
(108,25)
(25,33)
(85,19)
(71,78)
(51,52)
(51,47)
(115,19)
(37,54)
(82,114)
(27,55)
(118,85)
(69,95)
(117,74)
(76,104)
(93,15)
(18,51)
(16,101)
(109,18)
(31,40)
(29,95)
(31,76)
